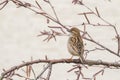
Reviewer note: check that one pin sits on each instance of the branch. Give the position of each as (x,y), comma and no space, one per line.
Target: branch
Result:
(4,3)
(102,46)
(48,66)
(56,61)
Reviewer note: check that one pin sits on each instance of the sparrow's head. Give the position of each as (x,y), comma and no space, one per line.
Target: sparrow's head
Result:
(74,31)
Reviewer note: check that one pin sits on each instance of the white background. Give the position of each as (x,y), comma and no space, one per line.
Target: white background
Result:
(19,28)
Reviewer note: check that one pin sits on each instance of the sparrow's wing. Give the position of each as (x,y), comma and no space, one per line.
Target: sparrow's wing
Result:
(77,45)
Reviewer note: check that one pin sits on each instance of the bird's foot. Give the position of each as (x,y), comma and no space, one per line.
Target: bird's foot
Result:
(70,59)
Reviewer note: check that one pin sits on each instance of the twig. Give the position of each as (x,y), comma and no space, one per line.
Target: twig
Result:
(50,35)
(38,5)
(118,39)
(88,51)
(118,45)
(79,72)
(98,24)
(49,73)
(58,28)
(97,11)
(72,69)
(86,18)
(4,4)
(102,46)
(53,10)
(101,71)
(49,65)
(33,72)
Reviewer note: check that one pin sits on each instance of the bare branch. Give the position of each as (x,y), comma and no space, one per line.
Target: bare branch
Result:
(49,65)
(102,46)
(53,10)
(38,5)
(88,51)
(99,72)
(97,11)
(86,18)
(4,3)
(76,61)
(49,73)
(57,27)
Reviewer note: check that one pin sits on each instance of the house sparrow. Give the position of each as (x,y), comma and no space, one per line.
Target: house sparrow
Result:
(75,43)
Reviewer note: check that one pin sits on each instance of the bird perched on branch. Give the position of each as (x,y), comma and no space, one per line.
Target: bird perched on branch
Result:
(75,43)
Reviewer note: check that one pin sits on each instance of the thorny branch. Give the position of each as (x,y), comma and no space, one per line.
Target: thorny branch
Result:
(37,8)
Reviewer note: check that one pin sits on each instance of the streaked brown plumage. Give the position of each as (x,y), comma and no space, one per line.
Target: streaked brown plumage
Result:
(75,43)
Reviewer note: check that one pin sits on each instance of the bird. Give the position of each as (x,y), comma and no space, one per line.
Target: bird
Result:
(75,43)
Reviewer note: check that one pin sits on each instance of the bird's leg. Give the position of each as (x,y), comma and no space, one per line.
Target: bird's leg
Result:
(82,59)
(71,58)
